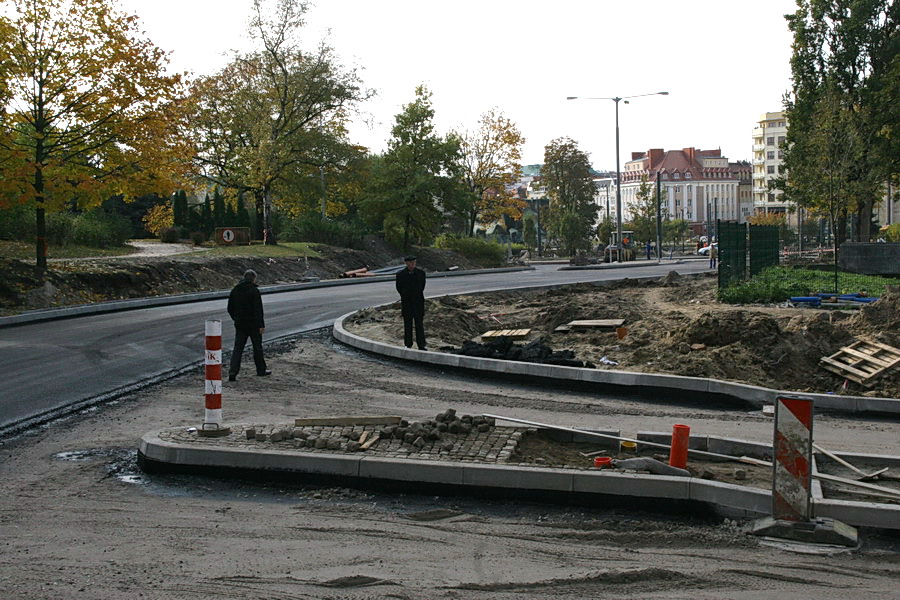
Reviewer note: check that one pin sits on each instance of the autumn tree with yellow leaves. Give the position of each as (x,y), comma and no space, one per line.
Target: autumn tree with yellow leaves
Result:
(88,111)
(490,161)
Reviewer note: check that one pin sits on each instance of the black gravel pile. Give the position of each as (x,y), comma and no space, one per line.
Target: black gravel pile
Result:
(536,352)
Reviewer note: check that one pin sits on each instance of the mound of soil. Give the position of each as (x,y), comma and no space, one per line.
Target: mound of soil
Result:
(674,325)
(82,281)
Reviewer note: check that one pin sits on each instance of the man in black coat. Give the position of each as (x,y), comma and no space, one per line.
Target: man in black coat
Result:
(246,310)
(411,287)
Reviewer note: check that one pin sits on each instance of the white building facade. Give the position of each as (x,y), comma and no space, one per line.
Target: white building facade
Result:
(699,185)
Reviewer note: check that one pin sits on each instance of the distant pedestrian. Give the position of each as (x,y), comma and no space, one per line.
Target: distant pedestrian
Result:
(411,287)
(713,255)
(649,248)
(246,310)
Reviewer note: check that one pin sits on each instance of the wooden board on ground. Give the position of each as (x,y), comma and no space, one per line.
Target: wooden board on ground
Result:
(563,328)
(333,421)
(516,334)
(862,361)
(587,323)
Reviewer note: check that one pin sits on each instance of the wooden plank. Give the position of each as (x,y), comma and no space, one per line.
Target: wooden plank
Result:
(510,333)
(891,349)
(562,329)
(371,441)
(597,323)
(843,367)
(328,421)
(859,484)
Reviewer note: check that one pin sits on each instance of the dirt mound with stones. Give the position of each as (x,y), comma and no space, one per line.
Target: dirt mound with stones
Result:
(674,325)
(118,278)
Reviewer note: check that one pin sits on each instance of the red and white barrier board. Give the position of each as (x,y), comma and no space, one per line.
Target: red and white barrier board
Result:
(793,458)
(213,368)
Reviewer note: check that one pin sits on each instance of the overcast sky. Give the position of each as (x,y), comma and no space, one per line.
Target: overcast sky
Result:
(723,62)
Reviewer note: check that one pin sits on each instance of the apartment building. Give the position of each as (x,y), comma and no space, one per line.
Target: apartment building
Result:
(698,184)
(768,153)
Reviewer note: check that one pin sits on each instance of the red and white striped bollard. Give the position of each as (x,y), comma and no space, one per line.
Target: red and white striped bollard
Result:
(213,374)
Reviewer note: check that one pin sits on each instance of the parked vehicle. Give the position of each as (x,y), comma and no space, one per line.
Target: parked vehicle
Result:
(705,250)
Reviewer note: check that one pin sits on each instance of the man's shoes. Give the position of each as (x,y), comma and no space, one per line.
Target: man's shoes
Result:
(423,349)
(264,373)
(232,378)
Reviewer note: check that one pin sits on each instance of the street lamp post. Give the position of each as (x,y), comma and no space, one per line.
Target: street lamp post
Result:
(616,99)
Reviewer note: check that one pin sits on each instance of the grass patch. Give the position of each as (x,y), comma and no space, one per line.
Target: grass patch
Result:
(777,284)
(26,251)
(281,250)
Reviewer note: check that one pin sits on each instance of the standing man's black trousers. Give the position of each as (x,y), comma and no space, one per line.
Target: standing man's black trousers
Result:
(240,340)
(408,321)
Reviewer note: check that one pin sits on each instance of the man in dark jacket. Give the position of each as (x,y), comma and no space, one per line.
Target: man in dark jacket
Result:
(411,287)
(246,310)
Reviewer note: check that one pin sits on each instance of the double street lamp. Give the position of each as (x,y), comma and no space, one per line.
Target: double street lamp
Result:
(616,99)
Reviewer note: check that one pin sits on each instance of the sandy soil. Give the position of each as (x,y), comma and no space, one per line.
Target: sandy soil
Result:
(80,521)
(674,325)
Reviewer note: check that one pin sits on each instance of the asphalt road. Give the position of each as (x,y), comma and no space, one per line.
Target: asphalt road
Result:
(57,365)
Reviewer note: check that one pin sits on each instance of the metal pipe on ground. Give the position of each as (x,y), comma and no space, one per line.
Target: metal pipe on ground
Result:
(744,459)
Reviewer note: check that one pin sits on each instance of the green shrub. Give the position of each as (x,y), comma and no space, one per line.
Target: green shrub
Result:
(198,238)
(60,228)
(778,284)
(483,252)
(99,229)
(170,235)
(313,228)
(17,223)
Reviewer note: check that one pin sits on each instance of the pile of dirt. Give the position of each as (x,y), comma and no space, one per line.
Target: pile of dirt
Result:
(118,278)
(674,325)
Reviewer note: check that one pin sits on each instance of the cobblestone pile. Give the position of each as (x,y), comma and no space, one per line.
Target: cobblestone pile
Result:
(445,437)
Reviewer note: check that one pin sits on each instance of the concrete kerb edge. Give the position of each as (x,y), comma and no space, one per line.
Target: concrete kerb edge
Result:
(754,395)
(726,499)
(138,303)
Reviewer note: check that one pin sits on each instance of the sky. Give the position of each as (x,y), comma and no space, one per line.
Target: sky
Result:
(723,62)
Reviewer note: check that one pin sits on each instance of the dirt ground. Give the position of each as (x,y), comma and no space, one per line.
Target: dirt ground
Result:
(153,273)
(674,325)
(80,521)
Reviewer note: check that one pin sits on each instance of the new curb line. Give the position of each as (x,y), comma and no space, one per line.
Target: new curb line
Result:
(728,500)
(694,386)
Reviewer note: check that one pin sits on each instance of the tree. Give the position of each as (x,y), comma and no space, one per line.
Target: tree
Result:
(218,208)
(90,110)
(180,209)
(643,211)
(529,233)
(416,181)
(271,114)
(158,217)
(490,160)
(567,176)
(676,230)
(844,69)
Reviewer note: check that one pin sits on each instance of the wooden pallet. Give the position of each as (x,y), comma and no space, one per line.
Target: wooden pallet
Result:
(862,361)
(515,334)
(608,323)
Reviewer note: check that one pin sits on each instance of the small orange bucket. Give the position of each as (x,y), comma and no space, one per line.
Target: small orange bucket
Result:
(602,461)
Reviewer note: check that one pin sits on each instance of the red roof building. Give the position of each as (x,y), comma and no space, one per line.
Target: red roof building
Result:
(697,185)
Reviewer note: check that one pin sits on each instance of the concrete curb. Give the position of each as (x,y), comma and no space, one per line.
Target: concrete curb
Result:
(80,310)
(625,265)
(628,380)
(725,499)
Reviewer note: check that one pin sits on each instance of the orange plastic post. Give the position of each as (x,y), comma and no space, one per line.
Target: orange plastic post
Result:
(681,439)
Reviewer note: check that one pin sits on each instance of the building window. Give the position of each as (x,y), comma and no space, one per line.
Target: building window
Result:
(676,176)
(770,141)
(687,175)
(781,154)
(780,140)
(770,155)
(770,169)
(781,123)
(771,197)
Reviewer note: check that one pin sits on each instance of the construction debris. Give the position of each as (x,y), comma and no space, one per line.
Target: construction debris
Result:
(536,352)
(592,323)
(513,334)
(862,361)
(863,476)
